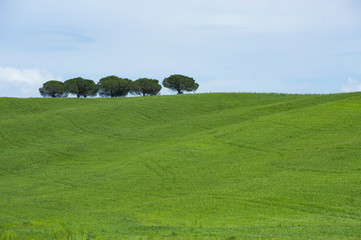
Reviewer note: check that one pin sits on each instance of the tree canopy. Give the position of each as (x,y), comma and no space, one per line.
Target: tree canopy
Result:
(113,86)
(53,89)
(81,87)
(146,87)
(180,83)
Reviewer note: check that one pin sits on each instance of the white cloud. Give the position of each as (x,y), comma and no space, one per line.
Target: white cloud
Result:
(352,85)
(22,82)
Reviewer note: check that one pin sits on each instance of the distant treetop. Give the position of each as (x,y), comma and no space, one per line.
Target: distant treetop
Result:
(54,89)
(146,87)
(180,83)
(113,86)
(81,87)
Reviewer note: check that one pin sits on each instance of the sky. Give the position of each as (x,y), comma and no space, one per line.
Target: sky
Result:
(298,46)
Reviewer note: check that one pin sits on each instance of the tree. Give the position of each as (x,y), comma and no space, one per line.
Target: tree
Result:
(114,86)
(146,87)
(53,89)
(81,87)
(180,83)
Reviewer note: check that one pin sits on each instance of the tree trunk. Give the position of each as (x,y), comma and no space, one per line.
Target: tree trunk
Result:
(179,91)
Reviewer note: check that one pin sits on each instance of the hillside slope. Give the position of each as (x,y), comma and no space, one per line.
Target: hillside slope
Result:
(202,166)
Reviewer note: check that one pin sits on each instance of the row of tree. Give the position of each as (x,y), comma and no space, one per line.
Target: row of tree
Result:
(113,86)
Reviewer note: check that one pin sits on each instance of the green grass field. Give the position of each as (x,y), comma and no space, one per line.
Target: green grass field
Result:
(199,166)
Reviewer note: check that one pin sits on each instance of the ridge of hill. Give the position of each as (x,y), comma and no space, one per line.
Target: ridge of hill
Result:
(197,166)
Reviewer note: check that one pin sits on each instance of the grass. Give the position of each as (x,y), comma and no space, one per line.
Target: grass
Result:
(202,166)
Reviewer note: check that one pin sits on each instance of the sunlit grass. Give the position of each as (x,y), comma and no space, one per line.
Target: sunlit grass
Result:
(199,166)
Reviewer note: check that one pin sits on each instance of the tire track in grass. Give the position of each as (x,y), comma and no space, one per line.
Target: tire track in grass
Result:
(244,146)
(310,170)
(300,207)
(306,208)
(76,126)
(153,170)
(166,177)
(116,135)
(158,170)
(82,130)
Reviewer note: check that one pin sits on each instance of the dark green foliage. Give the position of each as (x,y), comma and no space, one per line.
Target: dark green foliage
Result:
(81,87)
(53,89)
(146,87)
(113,86)
(180,83)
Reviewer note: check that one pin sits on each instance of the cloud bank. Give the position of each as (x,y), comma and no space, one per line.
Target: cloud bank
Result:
(352,85)
(22,82)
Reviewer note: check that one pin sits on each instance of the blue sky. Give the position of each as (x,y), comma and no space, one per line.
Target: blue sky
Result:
(298,46)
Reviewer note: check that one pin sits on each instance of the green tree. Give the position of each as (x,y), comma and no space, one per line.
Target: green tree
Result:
(81,87)
(180,83)
(146,87)
(114,86)
(53,89)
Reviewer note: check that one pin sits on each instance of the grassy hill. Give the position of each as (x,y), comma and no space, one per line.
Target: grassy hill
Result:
(202,166)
